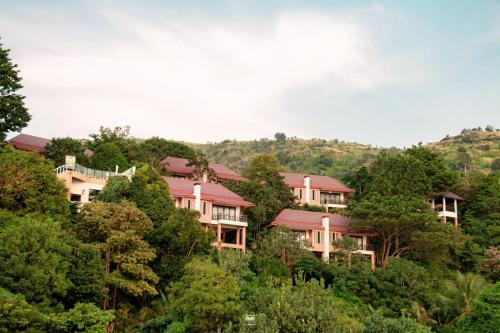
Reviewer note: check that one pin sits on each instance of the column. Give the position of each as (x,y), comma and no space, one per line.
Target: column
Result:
(244,238)
(238,236)
(456,213)
(325,221)
(444,209)
(219,233)
(307,184)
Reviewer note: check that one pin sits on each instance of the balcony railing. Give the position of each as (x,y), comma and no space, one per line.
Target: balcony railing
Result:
(367,247)
(337,201)
(230,217)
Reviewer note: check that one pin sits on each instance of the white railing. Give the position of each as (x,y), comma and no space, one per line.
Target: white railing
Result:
(96,174)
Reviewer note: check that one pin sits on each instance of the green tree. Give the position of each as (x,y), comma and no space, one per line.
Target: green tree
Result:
(84,317)
(378,323)
(117,189)
(485,313)
(182,238)
(458,296)
(155,149)
(393,219)
(201,167)
(277,252)
(107,156)
(28,184)
(34,259)
(17,315)
(495,165)
(14,115)
(306,307)
(280,137)
(206,298)
(266,189)
(118,231)
(58,148)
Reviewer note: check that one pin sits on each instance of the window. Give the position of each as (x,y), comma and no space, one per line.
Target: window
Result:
(204,207)
(313,194)
(75,198)
(318,236)
(332,237)
(187,203)
(93,194)
(300,194)
(330,198)
(224,212)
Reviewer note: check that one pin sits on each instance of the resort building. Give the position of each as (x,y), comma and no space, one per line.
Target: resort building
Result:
(319,230)
(221,210)
(316,190)
(177,167)
(29,143)
(447,206)
(84,184)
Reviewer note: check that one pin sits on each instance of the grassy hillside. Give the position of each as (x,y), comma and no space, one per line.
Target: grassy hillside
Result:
(337,158)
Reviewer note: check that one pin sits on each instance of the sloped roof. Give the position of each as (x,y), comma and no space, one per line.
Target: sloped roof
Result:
(323,183)
(215,193)
(451,195)
(178,165)
(29,142)
(307,220)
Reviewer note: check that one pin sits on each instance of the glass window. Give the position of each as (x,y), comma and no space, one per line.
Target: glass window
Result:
(318,236)
(93,194)
(225,212)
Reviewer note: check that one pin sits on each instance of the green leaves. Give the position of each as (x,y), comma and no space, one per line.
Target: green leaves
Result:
(13,113)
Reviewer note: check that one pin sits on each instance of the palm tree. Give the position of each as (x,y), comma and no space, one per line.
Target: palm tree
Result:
(459,295)
(422,315)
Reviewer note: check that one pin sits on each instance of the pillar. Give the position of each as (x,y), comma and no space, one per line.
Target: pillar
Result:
(373,260)
(238,236)
(197,196)
(444,209)
(219,233)
(325,221)
(244,238)
(456,212)
(307,184)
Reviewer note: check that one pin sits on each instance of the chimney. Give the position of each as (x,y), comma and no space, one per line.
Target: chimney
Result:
(325,221)
(307,184)
(197,196)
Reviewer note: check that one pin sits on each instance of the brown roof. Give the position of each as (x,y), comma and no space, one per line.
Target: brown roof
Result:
(323,183)
(29,142)
(451,195)
(177,165)
(307,220)
(216,193)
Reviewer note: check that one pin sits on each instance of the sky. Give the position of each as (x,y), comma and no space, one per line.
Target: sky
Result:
(386,73)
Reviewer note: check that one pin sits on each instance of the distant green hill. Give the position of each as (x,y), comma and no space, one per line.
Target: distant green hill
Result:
(478,150)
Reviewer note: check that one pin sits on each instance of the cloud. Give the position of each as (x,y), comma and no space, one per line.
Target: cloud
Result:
(188,77)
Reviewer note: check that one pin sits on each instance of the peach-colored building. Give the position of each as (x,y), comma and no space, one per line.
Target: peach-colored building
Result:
(318,229)
(178,168)
(220,209)
(317,190)
(447,206)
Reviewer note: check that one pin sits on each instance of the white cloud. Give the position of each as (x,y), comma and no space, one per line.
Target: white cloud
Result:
(188,78)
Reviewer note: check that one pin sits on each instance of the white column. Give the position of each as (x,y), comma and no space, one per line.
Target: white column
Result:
(307,184)
(444,209)
(197,196)
(456,213)
(325,221)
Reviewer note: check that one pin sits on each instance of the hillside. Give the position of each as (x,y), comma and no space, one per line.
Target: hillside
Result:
(471,149)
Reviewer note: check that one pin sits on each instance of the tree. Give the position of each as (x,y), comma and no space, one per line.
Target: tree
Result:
(458,296)
(182,237)
(306,307)
(58,148)
(17,315)
(277,252)
(201,168)
(28,184)
(378,323)
(495,165)
(393,219)
(266,189)
(280,137)
(118,231)
(14,115)
(33,259)
(485,313)
(107,156)
(206,298)
(155,149)
(117,189)
(84,317)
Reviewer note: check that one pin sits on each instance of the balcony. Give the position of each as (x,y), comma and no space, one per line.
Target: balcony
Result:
(229,217)
(366,247)
(333,201)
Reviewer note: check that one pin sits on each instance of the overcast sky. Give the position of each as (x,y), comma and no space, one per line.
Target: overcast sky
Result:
(388,73)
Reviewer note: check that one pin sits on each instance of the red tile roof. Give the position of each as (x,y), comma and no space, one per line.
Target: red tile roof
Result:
(29,142)
(178,165)
(323,183)
(216,193)
(307,220)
